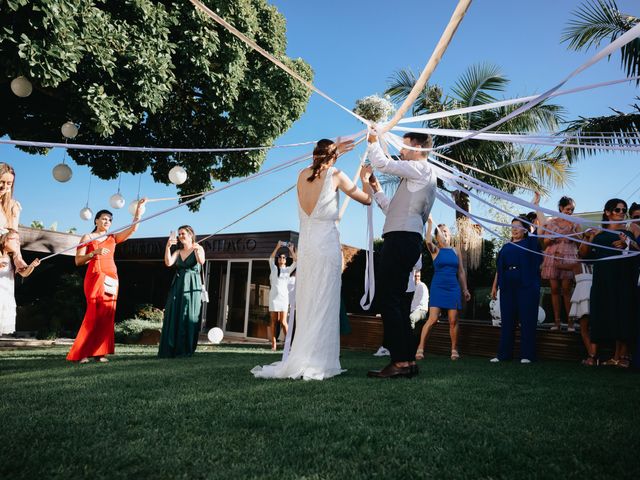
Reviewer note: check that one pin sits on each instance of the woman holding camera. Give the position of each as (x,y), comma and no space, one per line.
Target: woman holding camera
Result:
(181,322)
(279,293)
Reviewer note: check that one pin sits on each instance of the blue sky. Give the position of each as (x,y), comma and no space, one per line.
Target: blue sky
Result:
(354,47)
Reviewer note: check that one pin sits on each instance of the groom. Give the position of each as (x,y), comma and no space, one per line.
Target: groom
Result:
(406,214)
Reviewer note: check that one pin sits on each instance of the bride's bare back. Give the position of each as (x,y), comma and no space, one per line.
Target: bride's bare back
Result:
(309,192)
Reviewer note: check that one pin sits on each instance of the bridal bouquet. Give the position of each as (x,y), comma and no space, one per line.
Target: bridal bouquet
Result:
(374,108)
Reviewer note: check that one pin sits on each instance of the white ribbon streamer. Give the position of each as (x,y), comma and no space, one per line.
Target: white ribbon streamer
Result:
(452,204)
(520,139)
(369,272)
(505,103)
(122,148)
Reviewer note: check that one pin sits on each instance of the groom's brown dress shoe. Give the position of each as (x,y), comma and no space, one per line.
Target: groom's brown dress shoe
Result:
(390,371)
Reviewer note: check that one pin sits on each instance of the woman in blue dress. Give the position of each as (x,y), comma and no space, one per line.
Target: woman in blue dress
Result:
(518,278)
(448,286)
(181,322)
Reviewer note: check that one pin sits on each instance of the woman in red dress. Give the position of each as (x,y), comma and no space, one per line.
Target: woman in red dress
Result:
(95,337)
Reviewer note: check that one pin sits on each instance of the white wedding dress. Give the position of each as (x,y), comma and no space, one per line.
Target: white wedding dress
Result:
(7,297)
(315,350)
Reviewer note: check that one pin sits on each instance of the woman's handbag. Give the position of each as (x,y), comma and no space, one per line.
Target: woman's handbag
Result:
(110,285)
(204,295)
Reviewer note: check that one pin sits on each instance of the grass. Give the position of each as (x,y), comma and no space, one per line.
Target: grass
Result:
(207,417)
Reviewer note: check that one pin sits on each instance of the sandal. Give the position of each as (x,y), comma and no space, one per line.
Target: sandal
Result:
(103,360)
(454,354)
(612,362)
(420,354)
(590,361)
(84,360)
(623,362)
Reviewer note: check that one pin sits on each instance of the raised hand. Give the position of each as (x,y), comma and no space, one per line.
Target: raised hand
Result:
(344,146)
(536,198)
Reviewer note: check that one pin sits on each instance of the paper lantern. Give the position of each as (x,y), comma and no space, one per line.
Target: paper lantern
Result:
(541,315)
(21,86)
(177,175)
(69,130)
(86,213)
(116,200)
(215,335)
(62,172)
(133,205)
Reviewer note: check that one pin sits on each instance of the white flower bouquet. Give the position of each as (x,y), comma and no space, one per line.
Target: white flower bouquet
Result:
(374,108)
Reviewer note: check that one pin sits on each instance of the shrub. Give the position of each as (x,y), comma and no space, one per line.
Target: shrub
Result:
(130,331)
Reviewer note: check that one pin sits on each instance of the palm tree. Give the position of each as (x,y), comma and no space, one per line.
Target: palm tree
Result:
(529,167)
(596,21)
(507,164)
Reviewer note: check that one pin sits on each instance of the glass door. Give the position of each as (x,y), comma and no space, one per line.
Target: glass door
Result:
(237,295)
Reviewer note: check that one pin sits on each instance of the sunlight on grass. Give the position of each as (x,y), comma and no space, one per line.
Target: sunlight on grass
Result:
(207,417)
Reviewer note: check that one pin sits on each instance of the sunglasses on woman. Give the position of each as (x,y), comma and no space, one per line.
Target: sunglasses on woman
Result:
(619,210)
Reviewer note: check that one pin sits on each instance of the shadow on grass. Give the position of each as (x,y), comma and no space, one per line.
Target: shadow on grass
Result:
(207,417)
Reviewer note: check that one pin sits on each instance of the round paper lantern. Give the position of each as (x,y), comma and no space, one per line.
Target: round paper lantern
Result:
(21,86)
(62,172)
(86,213)
(177,175)
(541,315)
(133,205)
(215,335)
(69,130)
(116,200)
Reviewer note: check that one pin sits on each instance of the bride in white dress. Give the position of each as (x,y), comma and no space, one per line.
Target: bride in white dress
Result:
(315,351)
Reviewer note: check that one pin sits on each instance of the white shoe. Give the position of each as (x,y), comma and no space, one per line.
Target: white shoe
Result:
(494,360)
(525,360)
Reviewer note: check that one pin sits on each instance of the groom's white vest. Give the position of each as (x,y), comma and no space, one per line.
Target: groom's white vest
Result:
(408,211)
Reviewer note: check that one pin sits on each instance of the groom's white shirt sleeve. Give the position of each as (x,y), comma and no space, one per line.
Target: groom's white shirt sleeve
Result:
(417,173)
(382,200)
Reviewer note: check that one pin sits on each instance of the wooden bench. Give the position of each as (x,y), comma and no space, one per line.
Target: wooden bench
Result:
(474,338)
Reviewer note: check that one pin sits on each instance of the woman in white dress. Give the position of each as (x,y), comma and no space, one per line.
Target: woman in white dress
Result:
(279,292)
(315,350)
(9,207)
(9,245)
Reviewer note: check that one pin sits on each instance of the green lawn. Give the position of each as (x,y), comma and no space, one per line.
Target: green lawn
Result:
(207,417)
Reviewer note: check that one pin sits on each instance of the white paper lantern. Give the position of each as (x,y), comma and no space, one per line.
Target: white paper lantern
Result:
(117,201)
(69,130)
(21,86)
(86,213)
(133,205)
(177,175)
(62,172)
(541,315)
(215,335)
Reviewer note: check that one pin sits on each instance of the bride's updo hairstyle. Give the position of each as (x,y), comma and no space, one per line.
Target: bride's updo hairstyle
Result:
(325,151)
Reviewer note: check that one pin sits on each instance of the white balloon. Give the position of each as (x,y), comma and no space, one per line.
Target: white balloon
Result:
(215,335)
(62,172)
(21,86)
(133,205)
(116,200)
(177,175)
(86,213)
(69,130)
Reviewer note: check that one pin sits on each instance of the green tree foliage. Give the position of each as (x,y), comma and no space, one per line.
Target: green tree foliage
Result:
(529,167)
(149,73)
(593,22)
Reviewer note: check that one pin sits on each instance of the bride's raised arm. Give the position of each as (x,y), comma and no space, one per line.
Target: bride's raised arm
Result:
(345,184)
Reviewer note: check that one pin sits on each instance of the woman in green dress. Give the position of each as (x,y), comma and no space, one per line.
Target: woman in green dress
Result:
(613,291)
(181,323)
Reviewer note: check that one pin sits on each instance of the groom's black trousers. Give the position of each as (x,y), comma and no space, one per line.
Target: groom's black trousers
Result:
(400,252)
